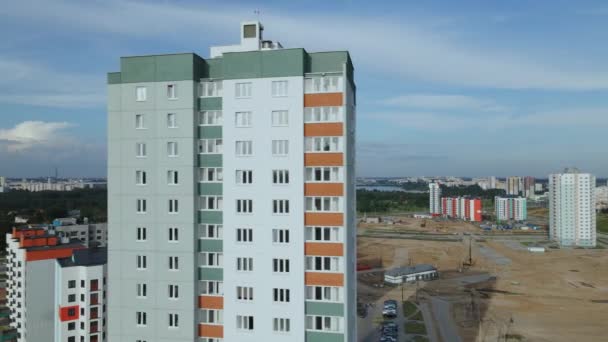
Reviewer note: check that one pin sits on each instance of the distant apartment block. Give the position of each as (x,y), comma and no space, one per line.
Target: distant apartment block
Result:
(514,185)
(231,195)
(510,208)
(56,287)
(528,189)
(3,187)
(53,185)
(464,208)
(434,198)
(572,217)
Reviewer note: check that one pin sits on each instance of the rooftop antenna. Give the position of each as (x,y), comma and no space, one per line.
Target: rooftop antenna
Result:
(257,12)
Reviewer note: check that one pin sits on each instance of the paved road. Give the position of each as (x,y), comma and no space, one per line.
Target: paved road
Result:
(429,322)
(443,317)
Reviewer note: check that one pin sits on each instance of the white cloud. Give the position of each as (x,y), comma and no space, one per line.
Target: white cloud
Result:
(443,101)
(29,134)
(393,46)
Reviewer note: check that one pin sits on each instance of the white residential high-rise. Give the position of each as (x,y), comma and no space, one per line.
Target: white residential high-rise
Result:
(434,198)
(572,208)
(510,208)
(492,182)
(231,195)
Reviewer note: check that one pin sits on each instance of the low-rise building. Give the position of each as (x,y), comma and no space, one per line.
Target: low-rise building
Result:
(408,274)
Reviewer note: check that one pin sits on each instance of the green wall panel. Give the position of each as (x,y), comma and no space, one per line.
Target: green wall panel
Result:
(159,68)
(210,188)
(324,337)
(137,69)
(210,273)
(210,160)
(281,63)
(210,132)
(324,309)
(174,67)
(209,103)
(327,61)
(242,65)
(214,217)
(207,245)
(114,78)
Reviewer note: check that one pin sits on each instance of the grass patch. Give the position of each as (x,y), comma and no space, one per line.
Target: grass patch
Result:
(528,243)
(417,317)
(514,337)
(409,308)
(420,339)
(602,222)
(415,328)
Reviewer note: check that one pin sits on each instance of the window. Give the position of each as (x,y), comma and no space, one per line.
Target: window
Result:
(72,339)
(211,231)
(173,234)
(244,148)
(139,121)
(172,149)
(280,176)
(323,144)
(212,259)
(211,118)
(141,233)
(210,146)
(71,298)
(244,206)
(141,93)
(244,322)
(140,177)
(323,264)
(280,206)
(280,118)
(280,265)
(141,206)
(141,318)
(242,90)
(323,114)
(142,263)
(71,284)
(211,89)
(244,235)
(244,293)
(323,174)
(171,120)
(142,290)
(324,293)
(172,177)
(72,326)
(210,316)
(242,119)
(280,295)
(244,176)
(211,202)
(280,147)
(173,206)
(324,323)
(280,235)
(326,234)
(249,31)
(212,287)
(173,320)
(172,91)
(279,88)
(210,174)
(244,264)
(324,84)
(173,291)
(280,324)
(173,263)
(140,150)
(333,204)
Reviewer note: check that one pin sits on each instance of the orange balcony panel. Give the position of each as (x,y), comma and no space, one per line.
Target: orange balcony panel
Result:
(323,100)
(324,219)
(324,248)
(210,302)
(324,279)
(324,159)
(324,189)
(329,129)
(210,330)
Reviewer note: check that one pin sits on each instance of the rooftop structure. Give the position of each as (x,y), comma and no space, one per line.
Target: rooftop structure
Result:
(410,274)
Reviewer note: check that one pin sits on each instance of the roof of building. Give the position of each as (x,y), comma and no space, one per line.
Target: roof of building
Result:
(407,270)
(86,257)
(74,243)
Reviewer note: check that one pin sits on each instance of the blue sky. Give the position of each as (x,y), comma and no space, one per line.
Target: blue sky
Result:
(469,88)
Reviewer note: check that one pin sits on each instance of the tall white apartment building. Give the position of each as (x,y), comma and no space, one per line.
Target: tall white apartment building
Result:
(510,208)
(572,208)
(231,195)
(55,288)
(514,185)
(434,198)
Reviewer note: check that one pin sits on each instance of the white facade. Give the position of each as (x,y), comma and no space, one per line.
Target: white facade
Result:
(572,219)
(434,198)
(510,208)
